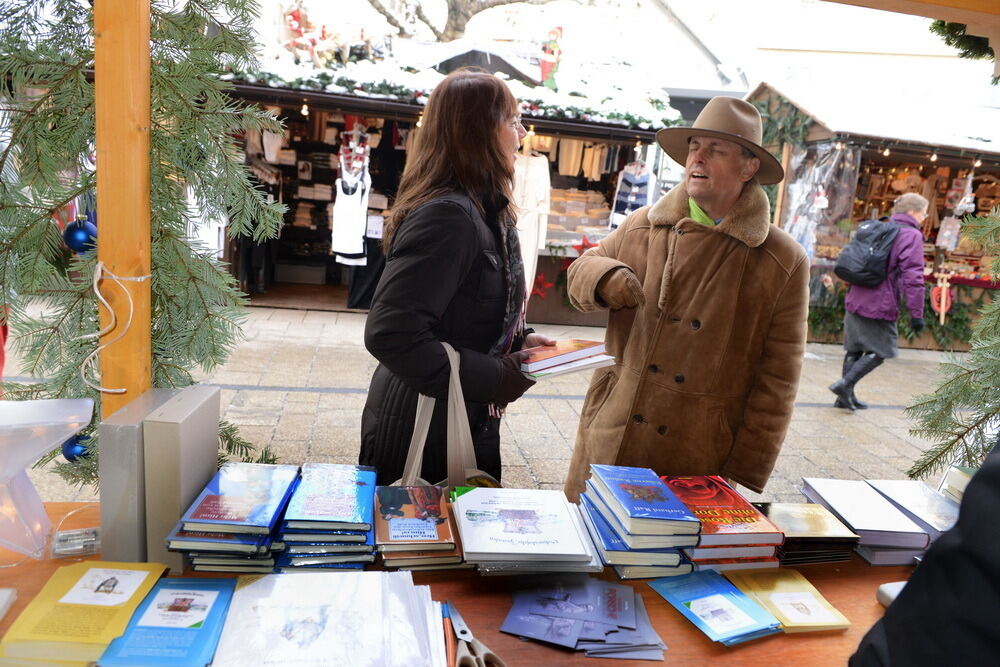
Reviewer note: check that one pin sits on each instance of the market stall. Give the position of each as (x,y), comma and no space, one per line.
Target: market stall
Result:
(849,170)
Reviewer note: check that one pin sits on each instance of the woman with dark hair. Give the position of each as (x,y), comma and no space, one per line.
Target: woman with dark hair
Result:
(453,273)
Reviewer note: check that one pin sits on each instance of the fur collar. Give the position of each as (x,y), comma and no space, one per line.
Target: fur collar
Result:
(748,221)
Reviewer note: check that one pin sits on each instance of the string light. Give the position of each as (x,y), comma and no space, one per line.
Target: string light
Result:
(934,156)
(886,152)
(305,109)
(839,145)
(420,120)
(977,163)
(531,131)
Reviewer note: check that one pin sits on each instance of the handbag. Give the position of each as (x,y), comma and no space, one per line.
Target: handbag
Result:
(462,470)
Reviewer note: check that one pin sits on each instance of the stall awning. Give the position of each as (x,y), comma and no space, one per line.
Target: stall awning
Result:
(402,111)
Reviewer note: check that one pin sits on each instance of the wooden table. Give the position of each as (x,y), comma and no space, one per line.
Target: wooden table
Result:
(485,601)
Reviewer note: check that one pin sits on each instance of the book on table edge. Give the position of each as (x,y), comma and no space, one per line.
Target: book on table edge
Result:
(637,542)
(295,535)
(806,523)
(652,571)
(586,364)
(641,501)
(541,357)
(886,556)
(716,607)
(300,560)
(326,548)
(725,564)
(242,498)
(932,510)
(412,518)
(738,551)
(727,518)
(187,540)
(332,496)
(613,549)
(790,598)
(866,512)
(408,559)
(235,561)
(185,614)
(235,569)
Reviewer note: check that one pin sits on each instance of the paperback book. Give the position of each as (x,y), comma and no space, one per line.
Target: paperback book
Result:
(790,598)
(541,357)
(588,364)
(727,518)
(177,625)
(409,518)
(332,496)
(641,502)
(242,498)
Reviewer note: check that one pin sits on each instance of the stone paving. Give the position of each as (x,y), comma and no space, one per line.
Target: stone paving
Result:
(299,380)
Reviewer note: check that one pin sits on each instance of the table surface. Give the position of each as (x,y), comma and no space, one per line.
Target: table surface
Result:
(485,601)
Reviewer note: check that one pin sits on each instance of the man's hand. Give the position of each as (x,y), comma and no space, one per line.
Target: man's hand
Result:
(621,288)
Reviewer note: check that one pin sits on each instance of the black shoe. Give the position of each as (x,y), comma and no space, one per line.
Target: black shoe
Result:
(858,405)
(842,388)
(839,403)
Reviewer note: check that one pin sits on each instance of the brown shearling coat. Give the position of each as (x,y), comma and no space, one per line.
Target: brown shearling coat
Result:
(706,372)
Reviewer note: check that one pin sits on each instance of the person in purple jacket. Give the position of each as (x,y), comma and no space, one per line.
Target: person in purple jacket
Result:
(870,335)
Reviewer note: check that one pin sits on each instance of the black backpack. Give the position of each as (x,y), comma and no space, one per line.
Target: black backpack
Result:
(865,260)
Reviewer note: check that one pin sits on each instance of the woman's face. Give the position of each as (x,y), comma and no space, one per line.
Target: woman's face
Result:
(511,135)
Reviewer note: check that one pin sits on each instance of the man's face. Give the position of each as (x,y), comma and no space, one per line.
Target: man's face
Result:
(715,169)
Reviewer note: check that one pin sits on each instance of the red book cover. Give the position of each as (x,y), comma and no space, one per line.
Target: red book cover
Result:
(224,508)
(564,351)
(726,516)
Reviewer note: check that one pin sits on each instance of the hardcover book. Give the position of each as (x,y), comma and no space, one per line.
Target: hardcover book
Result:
(177,625)
(807,522)
(613,549)
(719,609)
(790,598)
(652,571)
(332,496)
(743,551)
(642,503)
(637,542)
(727,518)
(79,611)
(889,556)
(586,364)
(242,498)
(196,540)
(409,518)
(931,510)
(865,511)
(518,525)
(545,356)
(727,564)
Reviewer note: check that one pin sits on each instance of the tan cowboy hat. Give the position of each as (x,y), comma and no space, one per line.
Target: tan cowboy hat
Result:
(727,118)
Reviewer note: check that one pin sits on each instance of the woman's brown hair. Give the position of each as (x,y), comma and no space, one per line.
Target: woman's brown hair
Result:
(458,146)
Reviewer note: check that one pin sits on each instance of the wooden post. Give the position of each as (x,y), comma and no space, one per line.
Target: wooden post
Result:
(779,204)
(121,79)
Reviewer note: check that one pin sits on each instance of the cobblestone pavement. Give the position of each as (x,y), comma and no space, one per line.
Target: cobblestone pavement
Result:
(299,380)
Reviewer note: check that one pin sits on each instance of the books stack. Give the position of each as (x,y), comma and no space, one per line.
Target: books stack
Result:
(790,598)
(887,536)
(566,356)
(229,526)
(812,533)
(637,523)
(955,479)
(520,531)
(185,615)
(718,608)
(600,618)
(78,612)
(329,522)
(312,618)
(414,529)
(734,534)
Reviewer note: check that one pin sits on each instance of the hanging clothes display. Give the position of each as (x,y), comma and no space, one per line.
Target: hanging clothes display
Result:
(570,156)
(349,219)
(635,186)
(209,231)
(532,186)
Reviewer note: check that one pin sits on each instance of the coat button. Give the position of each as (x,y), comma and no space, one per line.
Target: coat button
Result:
(638,419)
(653,368)
(662,430)
(695,324)
(679,379)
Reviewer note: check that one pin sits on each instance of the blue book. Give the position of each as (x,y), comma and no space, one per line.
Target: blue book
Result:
(242,498)
(187,540)
(286,564)
(716,607)
(177,625)
(613,549)
(636,541)
(296,535)
(641,502)
(367,546)
(332,496)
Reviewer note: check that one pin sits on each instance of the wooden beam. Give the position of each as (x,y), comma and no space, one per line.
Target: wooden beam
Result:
(981,12)
(779,204)
(121,81)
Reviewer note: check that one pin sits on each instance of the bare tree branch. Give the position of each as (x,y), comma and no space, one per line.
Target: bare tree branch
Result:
(392,20)
(438,35)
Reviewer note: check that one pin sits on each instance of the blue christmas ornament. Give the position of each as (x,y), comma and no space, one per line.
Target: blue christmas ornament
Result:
(73,449)
(80,236)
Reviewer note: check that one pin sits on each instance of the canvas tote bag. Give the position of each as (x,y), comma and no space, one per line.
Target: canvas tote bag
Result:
(462,470)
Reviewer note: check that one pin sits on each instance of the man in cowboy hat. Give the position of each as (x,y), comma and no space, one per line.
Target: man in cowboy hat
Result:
(708,308)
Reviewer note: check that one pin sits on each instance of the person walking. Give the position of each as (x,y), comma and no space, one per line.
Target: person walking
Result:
(453,274)
(708,308)
(870,329)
